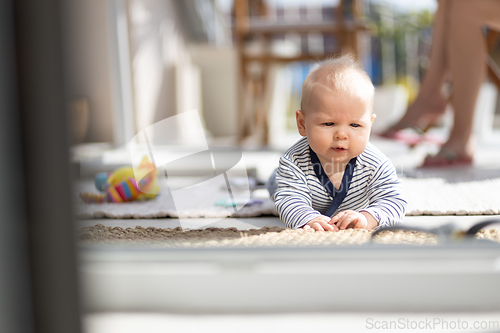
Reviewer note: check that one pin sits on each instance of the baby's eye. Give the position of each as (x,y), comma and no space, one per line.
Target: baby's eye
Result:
(355,125)
(328,124)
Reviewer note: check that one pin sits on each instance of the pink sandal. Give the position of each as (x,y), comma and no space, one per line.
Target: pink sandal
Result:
(411,139)
(420,127)
(446,158)
(408,138)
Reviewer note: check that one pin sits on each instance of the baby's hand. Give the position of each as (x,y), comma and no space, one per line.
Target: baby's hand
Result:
(320,223)
(349,218)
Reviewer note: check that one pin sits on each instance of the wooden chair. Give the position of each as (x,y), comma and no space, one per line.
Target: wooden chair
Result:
(252,22)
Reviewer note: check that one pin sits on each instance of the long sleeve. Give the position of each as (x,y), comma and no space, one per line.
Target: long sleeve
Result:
(293,197)
(385,196)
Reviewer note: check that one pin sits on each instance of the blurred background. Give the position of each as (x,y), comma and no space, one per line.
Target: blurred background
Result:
(131,63)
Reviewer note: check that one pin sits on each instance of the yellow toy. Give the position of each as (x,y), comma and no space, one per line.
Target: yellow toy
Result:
(121,185)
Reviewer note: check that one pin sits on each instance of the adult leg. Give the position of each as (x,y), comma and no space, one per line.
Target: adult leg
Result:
(467,55)
(430,102)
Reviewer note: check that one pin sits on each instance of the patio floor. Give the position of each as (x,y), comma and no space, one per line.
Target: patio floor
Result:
(487,157)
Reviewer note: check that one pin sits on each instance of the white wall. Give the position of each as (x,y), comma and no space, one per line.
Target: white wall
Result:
(219,77)
(164,80)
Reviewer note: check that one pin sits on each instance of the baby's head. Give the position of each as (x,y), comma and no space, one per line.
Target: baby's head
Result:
(343,75)
(336,109)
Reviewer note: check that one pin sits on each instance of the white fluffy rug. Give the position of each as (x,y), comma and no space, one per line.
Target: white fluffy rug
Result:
(435,196)
(442,193)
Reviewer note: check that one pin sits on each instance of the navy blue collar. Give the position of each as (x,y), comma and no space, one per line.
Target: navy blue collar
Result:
(337,195)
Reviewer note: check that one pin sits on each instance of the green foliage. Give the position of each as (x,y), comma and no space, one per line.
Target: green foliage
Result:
(407,34)
(396,25)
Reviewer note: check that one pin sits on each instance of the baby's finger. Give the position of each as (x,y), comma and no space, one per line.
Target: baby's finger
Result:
(322,226)
(332,224)
(334,219)
(339,218)
(359,225)
(324,219)
(307,226)
(344,214)
(318,226)
(339,215)
(327,226)
(346,221)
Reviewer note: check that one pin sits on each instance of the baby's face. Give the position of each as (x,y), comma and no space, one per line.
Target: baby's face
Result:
(337,124)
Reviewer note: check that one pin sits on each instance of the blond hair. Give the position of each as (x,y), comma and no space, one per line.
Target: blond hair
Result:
(337,74)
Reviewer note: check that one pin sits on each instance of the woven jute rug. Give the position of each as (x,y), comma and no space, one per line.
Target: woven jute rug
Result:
(435,195)
(264,237)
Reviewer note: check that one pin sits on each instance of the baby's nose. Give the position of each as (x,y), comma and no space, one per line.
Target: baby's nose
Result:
(341,134)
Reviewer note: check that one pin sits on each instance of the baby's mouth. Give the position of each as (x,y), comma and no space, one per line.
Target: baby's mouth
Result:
(339,149)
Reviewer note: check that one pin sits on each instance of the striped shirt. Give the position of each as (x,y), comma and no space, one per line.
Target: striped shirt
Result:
(370,184)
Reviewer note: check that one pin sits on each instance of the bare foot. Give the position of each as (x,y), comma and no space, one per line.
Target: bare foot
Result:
(421,114)
(446,158)
(452,153)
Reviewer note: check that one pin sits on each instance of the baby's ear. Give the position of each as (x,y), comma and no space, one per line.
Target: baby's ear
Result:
(301,122)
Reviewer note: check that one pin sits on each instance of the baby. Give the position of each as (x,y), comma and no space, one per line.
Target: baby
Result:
(333,178)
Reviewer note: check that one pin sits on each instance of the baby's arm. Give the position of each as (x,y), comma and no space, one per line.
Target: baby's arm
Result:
(293,198)
(387,204)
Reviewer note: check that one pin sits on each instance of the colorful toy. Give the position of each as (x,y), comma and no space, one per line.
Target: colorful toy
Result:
(121,185)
